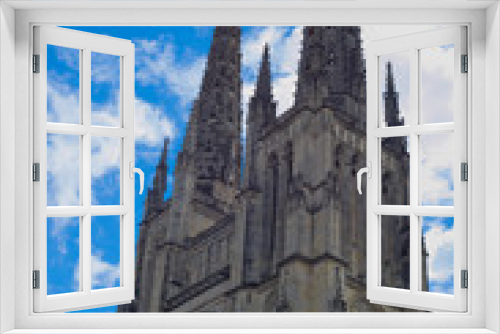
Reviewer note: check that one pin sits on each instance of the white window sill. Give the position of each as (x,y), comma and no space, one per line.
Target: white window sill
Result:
(257,331)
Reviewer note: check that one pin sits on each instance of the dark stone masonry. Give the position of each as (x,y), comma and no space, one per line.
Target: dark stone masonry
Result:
(286,232)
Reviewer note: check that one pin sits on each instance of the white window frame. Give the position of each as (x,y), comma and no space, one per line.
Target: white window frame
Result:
(413,128)
(484,101)
(85,43)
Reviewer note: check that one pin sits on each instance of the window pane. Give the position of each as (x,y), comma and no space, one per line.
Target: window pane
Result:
(394,88)
(437,169)
(63,85)
(395,171)
(105,89)
(63,255)
(63,170)
(437,254)
(395,251)
(436,91)
(105,252)
(106,159)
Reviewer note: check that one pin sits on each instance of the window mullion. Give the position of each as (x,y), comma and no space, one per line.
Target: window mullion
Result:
(66,211)
(388,132)
(85,272)
(414,167)
(109,210)
(424,129)
(82,190)
(392,210)
(434,211)
(85,242)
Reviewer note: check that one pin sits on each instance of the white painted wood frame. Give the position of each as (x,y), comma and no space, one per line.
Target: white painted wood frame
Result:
(414,298)
(85,43)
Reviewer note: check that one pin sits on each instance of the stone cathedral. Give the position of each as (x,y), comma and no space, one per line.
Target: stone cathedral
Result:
(278,226)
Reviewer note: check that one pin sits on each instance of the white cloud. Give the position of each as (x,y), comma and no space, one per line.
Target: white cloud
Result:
(108,113)
(105,155)
(439,245)
(247,92)
(105,69)
(157,64)
(437,84)
(151,126)
(436,171)
(63,169)
(57,227)
(104,274)
(63,102)
(283,90)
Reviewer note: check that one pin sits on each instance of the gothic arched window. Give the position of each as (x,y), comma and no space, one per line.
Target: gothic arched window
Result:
(354,162)
(385,183)
(338,155)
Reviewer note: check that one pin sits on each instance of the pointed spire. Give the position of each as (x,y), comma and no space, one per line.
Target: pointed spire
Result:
(223,61)
(262,108)
(390,79)
(263,88)
(392,117)
(154,200)
(391,99)
(219,112)
(261,114)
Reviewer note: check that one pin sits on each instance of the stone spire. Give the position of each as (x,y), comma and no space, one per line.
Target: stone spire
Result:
(217,143)
(154,200)
(391,104)
(331,71)
(262,108)
(391,100)
(263,89)
(261,113)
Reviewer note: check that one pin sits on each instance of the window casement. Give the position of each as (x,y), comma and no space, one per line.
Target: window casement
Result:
(78,134)
(430,139)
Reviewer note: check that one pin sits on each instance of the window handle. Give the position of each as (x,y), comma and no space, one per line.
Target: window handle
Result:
(139,171)
(368,171)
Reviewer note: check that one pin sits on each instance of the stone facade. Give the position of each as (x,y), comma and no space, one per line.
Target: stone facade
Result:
(289,233)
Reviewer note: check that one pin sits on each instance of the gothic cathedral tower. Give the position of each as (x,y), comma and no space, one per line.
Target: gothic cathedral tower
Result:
(291,236)
(219,119)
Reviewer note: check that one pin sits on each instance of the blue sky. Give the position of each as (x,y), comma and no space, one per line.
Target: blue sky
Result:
(169,69)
